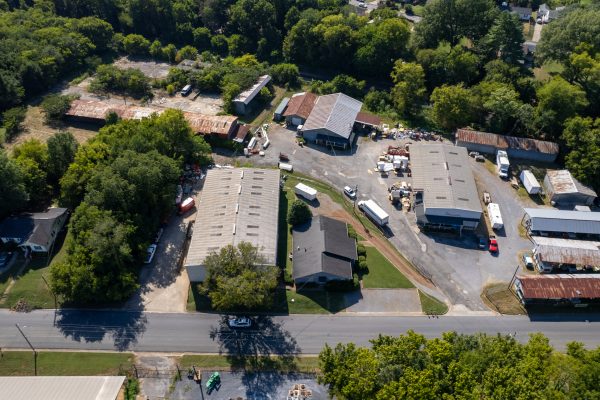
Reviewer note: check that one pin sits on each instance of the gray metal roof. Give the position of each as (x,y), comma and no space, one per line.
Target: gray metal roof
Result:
(334,112)
(563,182)
(444,175)
(60,387)
(323,245)
(235,205)
(567,251)
(247,95)
(281,107)
(553,220)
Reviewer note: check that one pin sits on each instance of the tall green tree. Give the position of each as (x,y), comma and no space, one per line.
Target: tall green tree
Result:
(582,137)
(379,44)
(448,65)
(505,39)
(13,192)
(409,90)
(62,147)
(32,158)
(238,279)
(452,106)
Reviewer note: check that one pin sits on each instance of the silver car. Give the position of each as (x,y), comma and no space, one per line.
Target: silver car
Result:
(239,322)
(351,193)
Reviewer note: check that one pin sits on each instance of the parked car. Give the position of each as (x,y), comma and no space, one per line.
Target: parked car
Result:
(362,5)
(479,158)
(528,261)
(482,244)
(473,154)
(239,322)
(493,245)
(150,251)
(187,89)
(351,193)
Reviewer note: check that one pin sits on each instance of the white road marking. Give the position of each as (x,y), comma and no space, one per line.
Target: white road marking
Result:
(294,152)
(340,173)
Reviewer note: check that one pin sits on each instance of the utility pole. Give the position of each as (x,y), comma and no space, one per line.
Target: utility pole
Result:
(55,299)
(513,277)
(32,348)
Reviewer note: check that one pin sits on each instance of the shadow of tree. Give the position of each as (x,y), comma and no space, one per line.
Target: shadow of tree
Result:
(250,351)
(123,327)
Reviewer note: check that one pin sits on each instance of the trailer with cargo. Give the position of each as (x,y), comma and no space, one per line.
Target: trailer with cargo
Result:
(374,212)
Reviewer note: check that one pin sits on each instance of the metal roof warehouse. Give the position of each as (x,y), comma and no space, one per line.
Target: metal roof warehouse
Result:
(236,205)
(60,387)
(567,251)
(558,288)
(443,177)
(562,221)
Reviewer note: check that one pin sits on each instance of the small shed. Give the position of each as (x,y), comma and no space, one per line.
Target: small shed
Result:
(243,100)
(278,114)
(564,190)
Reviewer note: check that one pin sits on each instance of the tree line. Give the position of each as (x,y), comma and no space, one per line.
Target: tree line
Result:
(458,366)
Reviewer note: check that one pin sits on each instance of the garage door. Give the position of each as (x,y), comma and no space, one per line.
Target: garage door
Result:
(296,121)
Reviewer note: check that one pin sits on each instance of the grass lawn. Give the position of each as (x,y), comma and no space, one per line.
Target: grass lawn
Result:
(431,306)
(418,10)
(499,297)
(547,70)
(14,363)
(31,287)
(314,302)
(6,277)
(252,363)
(382,274)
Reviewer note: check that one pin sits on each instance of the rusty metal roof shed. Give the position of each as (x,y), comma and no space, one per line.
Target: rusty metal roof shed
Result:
(505,142)
(560,286)
(567,251)
(562,182)
(301,104)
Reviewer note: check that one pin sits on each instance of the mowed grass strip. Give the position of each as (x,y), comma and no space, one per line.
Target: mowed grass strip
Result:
(19,363)
(382,273)
(251,363)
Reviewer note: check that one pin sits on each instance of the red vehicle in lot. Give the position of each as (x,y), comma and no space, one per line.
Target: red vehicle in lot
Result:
(186,205)
(493,245)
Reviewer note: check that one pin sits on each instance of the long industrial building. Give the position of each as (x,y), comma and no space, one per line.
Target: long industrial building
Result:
(559,289)
(562,223)
(446,196)
(236,205)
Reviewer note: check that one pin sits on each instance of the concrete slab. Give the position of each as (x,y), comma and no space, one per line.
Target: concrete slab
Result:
(385,301)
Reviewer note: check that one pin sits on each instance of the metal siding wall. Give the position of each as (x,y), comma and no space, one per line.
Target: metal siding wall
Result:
(481,148)
(531,155)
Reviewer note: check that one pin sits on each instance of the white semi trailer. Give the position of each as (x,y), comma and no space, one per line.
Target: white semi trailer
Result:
(376,213)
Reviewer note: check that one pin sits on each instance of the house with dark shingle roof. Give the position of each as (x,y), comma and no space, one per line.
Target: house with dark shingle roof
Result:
(322,251)
(34,231)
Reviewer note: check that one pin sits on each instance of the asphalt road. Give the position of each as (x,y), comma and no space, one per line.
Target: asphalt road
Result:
(297,334)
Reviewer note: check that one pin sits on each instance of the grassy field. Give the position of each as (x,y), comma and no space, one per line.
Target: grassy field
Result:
(264,363)
(314,302)
(14,363)
(500,298)
(382,274)
(548,70)
(431,306)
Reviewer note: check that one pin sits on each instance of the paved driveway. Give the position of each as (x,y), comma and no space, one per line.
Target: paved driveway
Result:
(384,301)
(455,265)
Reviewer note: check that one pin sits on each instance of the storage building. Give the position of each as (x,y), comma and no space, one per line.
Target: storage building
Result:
(564,190)
(567,254)
(236,205)
(446,195)
(562,223)
(278,114)
(322,251)
(299,108)
(516,147)
(561,289)
(61,387)
(242,102)
(331,121)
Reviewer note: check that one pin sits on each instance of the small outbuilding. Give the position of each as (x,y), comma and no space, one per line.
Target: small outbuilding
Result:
(34,232)
(564,190)
(242,101)
(299,108)
(322,251)
(278,114)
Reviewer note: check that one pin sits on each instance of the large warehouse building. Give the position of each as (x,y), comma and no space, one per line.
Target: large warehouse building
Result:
(446,196)
(562,223)
(560,289)
(517,147)
(236,205)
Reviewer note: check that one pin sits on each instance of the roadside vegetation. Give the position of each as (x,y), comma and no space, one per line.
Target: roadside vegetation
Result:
(459,366)
(431,305)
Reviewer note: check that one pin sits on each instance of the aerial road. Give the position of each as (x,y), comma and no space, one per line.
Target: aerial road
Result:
(294,334)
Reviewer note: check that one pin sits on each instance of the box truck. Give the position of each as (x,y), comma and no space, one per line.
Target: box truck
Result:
(373,211)
(494,216)
(305,191)
(502,164)
(531,184)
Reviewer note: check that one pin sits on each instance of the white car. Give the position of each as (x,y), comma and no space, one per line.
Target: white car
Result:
(150,253)
(362,5)
(348,191)
(239,322)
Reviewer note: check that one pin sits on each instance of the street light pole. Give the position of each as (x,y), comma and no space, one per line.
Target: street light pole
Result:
(32,348)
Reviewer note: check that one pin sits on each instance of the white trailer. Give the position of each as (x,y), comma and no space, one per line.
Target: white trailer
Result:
(305,191)
(494,216)
(375,212)
(502,163)
(286,167)
(531,184)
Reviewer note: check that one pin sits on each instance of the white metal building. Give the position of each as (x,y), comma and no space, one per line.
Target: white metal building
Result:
(236,205)
(242,101)
(60,387)
(446,195)
(553,222)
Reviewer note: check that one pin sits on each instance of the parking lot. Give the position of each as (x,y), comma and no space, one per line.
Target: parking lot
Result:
(454,264)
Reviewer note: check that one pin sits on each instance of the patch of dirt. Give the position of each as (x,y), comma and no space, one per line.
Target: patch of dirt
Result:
(500,298)
(329,208)
(34,127)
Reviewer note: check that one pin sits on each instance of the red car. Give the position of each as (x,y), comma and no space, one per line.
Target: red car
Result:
(493,245)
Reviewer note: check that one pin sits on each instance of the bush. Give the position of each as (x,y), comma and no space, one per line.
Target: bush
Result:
(288,278)
(408,9)
(361,250)
(362,259)
(170,90)
(285,74)
(352,233)
(299,213)
(363,266)
(12,120)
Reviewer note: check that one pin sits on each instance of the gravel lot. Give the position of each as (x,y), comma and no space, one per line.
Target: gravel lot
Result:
(442,257)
